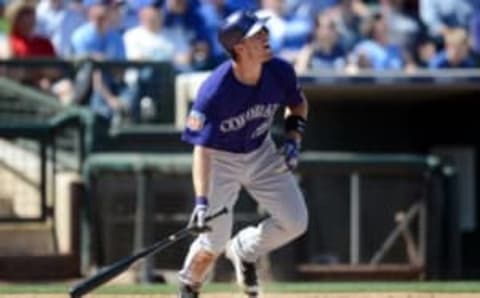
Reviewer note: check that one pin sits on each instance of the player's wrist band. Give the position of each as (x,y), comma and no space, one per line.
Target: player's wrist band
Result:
(295,123)
(201,200)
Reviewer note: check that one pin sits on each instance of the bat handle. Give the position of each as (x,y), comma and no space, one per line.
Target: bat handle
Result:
(220,212)
(198,230)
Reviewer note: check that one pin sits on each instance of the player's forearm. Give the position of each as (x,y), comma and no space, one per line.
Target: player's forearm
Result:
(201,170)
(298,110)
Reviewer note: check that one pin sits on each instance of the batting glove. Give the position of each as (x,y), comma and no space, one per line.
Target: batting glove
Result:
(291,151)
(197,219)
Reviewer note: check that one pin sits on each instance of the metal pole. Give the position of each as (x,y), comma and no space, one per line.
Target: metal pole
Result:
(43,178)
(422,228)
(354,218)
(143,225)
(54,193)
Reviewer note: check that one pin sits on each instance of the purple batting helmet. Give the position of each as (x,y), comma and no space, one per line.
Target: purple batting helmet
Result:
(237,26)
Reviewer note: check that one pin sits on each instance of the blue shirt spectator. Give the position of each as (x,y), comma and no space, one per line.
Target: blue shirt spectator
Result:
(403,27)
(441,60)
(475,4)
(378,56)
(377,52)
(243,4)
(288,33)
(324,51)
(88,41)
(213,12)
(439,15)
(475,32)
(348,16)
(98,40)
(456,53)
(185,27)
(309,8)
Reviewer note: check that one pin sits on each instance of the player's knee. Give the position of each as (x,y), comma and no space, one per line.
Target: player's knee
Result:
(194,272)
(298,225)
(213,242)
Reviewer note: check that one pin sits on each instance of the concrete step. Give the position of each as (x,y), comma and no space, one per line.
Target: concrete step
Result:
(39,268)
(22,239)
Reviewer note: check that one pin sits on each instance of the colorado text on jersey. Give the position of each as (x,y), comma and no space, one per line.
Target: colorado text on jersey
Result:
(255,112)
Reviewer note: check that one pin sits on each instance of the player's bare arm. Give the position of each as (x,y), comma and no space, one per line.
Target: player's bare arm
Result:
(201,170)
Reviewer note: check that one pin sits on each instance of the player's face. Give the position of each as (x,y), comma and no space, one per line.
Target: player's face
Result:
(257,47)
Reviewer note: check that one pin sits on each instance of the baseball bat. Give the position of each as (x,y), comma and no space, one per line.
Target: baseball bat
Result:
(109,272)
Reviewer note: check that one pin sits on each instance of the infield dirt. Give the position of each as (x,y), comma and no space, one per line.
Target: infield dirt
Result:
(269,295)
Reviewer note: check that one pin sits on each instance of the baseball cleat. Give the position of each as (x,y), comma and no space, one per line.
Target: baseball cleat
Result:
(245,272)
(187,292)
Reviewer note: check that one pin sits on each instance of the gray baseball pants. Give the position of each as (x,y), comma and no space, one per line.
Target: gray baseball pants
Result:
(263,174)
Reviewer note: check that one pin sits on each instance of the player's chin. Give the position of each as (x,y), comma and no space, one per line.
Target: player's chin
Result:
(267,55)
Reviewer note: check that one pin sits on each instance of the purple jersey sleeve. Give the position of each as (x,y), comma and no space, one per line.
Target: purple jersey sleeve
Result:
(201,123)
(288,80)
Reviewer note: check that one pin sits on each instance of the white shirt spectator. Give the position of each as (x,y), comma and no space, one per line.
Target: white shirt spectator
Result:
(58,24)
(142,44)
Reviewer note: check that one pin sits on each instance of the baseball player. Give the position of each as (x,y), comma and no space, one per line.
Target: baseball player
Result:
(229,127)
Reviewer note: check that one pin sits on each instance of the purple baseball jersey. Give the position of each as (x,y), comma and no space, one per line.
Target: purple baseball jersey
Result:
(231,116)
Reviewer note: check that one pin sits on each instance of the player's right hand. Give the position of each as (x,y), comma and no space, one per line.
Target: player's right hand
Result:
(291,151)
(197,219)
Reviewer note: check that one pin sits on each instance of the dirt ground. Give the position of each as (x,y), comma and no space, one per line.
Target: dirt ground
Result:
(273,295)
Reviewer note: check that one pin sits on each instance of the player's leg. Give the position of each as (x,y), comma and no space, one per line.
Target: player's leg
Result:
(277,192)
(224,188)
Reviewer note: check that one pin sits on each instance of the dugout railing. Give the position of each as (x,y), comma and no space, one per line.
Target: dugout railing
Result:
(399,222)
(43,145)
(124,217)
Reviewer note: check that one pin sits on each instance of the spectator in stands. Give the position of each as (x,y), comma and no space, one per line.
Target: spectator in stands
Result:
(186,29)
(116,14)
(57,20)
(475,32)
(213,12)
(24,42)
(98,40)
(348,16)
(376,52)
(309,8)
(4,52)
(423,52)
(148,41)
(130,14)
(243,4)
(441,15)
(3,21)
(130,10)
(402,27)
(288,33)
(324,51)
(456,53)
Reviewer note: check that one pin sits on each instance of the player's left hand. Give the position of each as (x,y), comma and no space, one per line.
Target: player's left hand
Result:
(197,219)
(291,151)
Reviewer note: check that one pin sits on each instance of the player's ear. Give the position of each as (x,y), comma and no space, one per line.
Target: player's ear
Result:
(237,49)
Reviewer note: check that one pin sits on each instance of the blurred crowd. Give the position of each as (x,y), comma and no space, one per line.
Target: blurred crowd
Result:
(339,35)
